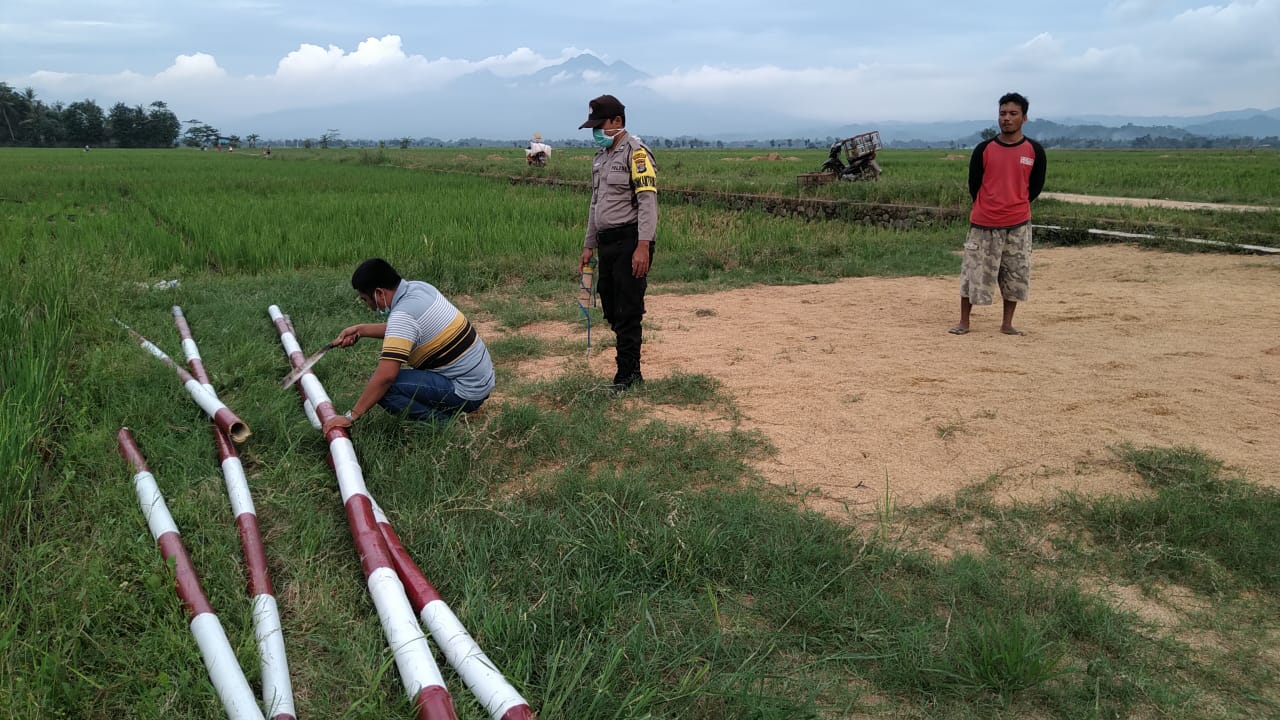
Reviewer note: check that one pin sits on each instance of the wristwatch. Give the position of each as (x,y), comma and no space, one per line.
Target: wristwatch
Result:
(348,416)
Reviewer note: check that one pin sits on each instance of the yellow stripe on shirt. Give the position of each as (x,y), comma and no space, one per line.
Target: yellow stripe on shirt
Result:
(396,348)
(442,345)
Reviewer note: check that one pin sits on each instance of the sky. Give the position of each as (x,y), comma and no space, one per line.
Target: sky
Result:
(819,62)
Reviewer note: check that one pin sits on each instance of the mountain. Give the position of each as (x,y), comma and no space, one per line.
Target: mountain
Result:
(1184,121)
(553,101)
(1260,125)
(586,68)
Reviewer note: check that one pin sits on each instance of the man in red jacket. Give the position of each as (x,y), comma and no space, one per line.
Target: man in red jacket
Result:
(1005,174)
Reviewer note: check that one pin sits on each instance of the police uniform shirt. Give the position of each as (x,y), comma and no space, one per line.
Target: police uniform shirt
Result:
(624,189)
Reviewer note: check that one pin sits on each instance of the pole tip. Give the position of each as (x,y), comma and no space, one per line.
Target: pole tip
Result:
(239,432)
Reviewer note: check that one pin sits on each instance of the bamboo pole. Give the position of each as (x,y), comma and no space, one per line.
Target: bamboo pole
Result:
(232,425)
(277,689)
(419,673)
(219,659)
(499,698)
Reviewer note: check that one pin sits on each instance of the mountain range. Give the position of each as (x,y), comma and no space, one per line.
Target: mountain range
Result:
(553,101)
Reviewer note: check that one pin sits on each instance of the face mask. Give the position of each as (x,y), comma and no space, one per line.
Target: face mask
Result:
(601,139)
(380,310)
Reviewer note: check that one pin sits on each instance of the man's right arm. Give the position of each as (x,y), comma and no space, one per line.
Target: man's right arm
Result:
(349,336)
(591,240)
(976,169)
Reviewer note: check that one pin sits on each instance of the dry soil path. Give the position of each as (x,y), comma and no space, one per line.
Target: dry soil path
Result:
(857,382)
(1152,202)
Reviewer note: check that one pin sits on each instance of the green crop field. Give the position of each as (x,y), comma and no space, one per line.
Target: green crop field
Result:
(612,564)
(935,178)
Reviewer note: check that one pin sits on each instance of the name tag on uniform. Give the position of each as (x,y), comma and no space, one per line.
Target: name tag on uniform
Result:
(1026,160)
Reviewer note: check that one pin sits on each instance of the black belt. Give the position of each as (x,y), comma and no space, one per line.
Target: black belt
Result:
(617,234)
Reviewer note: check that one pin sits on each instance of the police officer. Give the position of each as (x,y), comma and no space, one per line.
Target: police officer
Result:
(621,223)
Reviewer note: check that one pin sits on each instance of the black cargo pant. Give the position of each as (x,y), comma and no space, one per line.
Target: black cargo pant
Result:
(622,294)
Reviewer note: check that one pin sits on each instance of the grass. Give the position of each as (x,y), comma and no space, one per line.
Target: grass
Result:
(914,177)
(1213,534)
(613,564)
(937,178)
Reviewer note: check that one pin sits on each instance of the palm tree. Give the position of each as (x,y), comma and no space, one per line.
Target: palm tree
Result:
(8,106)
(253,139)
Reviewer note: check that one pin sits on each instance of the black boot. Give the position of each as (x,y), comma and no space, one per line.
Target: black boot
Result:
(629,340)
(624,382)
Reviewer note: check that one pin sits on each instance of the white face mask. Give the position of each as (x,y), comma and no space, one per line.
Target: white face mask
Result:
(378,308)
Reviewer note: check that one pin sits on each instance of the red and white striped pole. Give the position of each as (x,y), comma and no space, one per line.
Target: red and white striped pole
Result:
(418,670)
(478,672)
(222,416)
(308,407)
(485,681)
(219,659)
(277,689)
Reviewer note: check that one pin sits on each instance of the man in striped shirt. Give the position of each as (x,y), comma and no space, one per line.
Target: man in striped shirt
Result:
(433,364)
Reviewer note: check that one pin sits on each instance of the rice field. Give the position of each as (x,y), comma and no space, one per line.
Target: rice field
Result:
(927,177)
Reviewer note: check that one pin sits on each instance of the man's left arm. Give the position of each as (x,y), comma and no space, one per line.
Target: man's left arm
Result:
(383,375)
(1036,183)
(644,183)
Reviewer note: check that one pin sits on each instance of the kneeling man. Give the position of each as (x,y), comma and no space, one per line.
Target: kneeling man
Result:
(433,364)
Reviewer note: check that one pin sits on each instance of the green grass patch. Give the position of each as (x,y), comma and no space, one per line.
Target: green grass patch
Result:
(1214,533)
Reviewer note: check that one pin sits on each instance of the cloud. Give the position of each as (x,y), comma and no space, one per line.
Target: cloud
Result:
(1235,32)
(83,32)
(829,94)
(1038,53)
(1145,57)
(309,76)
(523,61)
(1137,9)
(198,67)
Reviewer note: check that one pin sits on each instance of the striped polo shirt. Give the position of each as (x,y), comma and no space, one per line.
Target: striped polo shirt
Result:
(427,332)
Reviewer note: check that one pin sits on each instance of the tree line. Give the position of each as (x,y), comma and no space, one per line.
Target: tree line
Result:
(28,121)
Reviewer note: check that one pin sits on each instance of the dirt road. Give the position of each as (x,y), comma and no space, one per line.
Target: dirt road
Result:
(1151,202)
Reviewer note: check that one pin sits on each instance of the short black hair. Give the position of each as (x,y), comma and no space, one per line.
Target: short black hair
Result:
(1014,98)
(373,274)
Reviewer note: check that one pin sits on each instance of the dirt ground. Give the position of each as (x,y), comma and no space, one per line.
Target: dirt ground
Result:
(858,384)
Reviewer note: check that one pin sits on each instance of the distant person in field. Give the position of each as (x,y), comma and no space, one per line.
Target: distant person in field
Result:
(448,371)
(538,152)
(1005,174)
(622,222)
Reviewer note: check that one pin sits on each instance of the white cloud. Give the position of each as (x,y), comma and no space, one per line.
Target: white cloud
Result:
(310,76)
(828,94)
(1137,9)
(1139,57)
(197,67)
(524,61)
(84,31)
(1237,31)
(1039,53)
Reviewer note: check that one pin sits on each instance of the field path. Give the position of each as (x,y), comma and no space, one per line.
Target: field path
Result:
(1151,202)
(858,381)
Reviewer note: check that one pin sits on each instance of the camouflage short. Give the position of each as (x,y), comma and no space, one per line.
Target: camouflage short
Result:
(1000,256)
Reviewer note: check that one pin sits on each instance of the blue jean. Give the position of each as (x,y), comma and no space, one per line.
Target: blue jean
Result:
(425,395)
